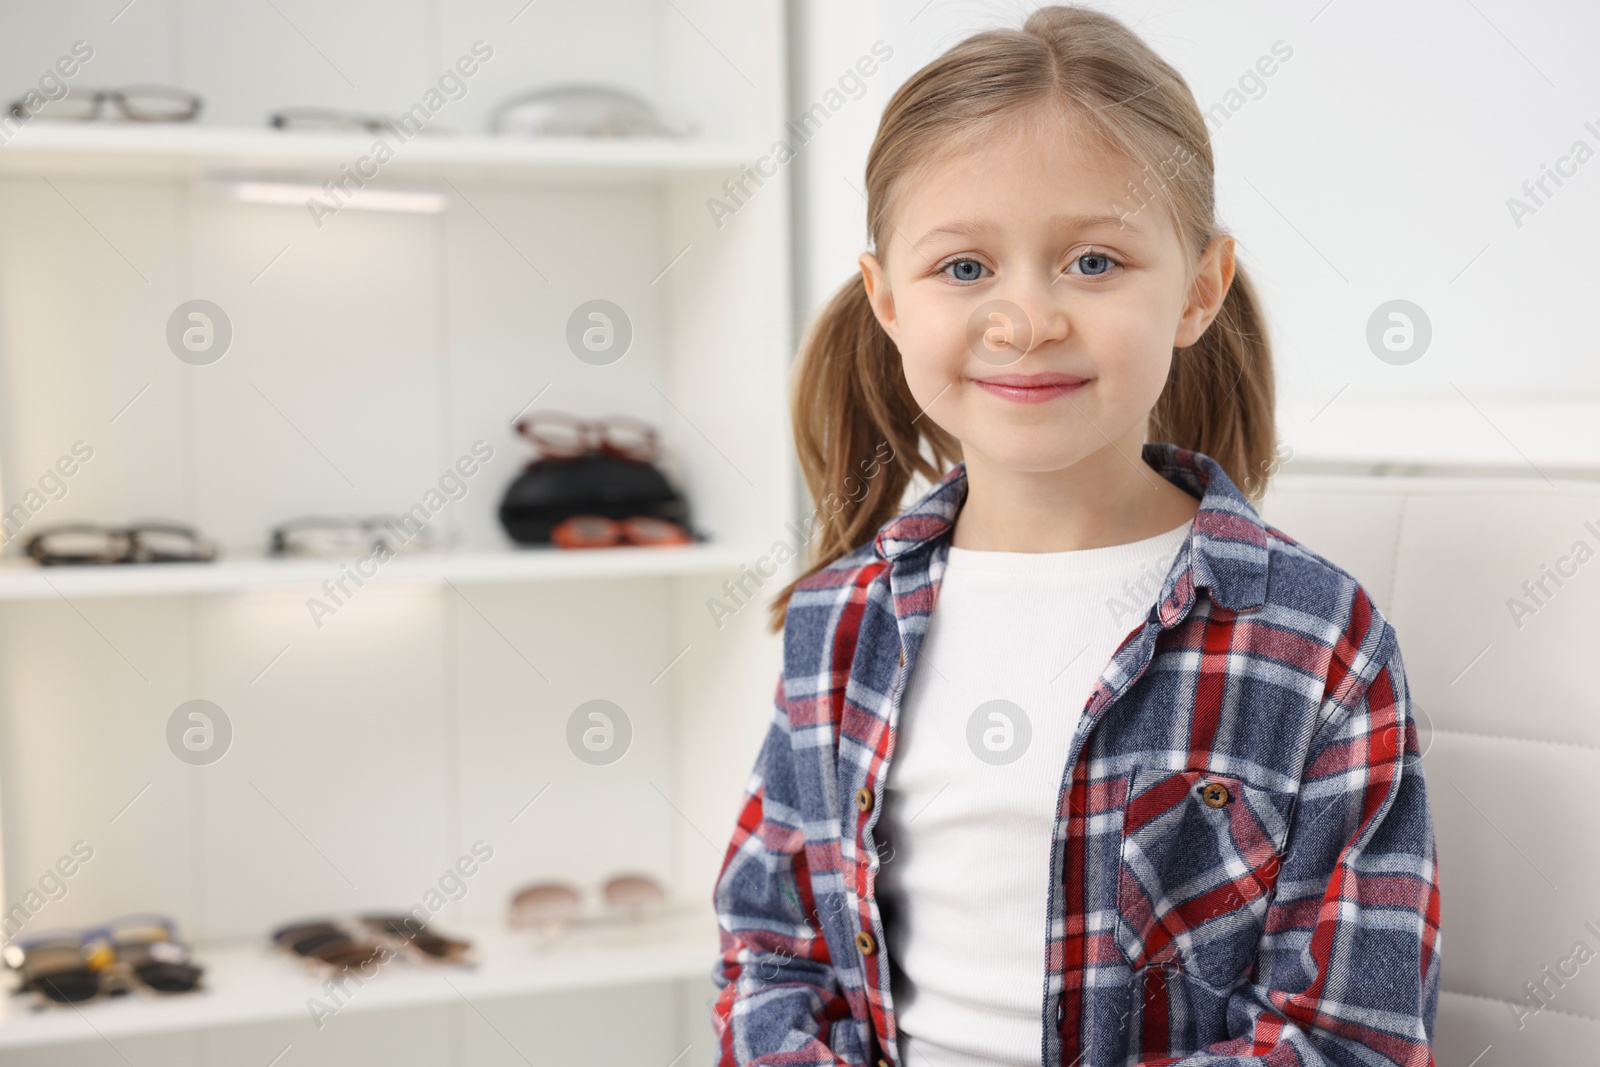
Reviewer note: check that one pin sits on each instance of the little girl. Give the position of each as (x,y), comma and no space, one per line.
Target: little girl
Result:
(1075,761)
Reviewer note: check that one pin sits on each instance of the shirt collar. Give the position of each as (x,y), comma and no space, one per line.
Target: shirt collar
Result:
(1228,544)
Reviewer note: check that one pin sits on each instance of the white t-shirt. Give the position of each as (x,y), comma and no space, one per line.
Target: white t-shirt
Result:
(1012,651)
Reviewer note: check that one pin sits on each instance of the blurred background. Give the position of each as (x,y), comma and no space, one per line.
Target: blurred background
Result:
(327,318)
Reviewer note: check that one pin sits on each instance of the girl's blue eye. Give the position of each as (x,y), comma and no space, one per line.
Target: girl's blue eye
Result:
(967,270)
(1094,263)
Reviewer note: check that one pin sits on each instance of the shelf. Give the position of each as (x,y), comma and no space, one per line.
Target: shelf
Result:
(25,580)
(97,148)
(251,982)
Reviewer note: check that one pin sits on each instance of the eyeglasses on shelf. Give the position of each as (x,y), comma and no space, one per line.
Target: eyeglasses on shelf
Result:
(338,536)
(136,103)
(82,543)
(561,436)
(597,531)
(332,120)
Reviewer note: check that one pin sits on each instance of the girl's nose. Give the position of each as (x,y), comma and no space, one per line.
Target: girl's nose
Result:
(1051,322)
(1000,332)
(1024,317)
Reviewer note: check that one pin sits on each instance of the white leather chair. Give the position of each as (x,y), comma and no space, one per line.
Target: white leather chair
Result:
(1509,705)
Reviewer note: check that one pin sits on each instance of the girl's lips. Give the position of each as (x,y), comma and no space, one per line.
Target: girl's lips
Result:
(1030,388)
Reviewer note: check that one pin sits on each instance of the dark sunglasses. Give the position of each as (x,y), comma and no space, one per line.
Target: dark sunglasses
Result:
(127,954)
(335,945)
(323,942)
(413,937)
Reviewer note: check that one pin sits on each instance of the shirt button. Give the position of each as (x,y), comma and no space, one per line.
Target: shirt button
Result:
(865,943)
(882,1062)
(1061,1010)
(902,655)
(864,799)
(1215,794)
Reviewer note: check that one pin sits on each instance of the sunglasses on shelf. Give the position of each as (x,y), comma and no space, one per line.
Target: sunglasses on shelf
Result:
(135,103)
(327,943)
(597,531)
(337,945)
(131,954)
(413,937)
(560,436)
(151,542)
(555,905)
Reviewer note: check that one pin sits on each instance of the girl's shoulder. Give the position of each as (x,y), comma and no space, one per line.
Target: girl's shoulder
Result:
(1347,637)
(1298,574)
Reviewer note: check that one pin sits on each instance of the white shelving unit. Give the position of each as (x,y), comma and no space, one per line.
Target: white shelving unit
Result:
(247,982)
(371,747)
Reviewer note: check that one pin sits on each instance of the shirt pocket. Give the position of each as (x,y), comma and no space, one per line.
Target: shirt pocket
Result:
(1199,860)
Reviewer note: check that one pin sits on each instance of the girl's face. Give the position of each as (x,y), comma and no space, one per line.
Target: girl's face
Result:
(1035,302)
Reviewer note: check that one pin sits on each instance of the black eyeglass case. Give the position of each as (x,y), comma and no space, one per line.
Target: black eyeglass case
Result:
(551,490)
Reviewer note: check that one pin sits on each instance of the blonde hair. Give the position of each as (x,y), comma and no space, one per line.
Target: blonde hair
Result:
(850,396)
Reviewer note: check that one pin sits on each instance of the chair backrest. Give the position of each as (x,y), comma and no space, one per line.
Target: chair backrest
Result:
(1494,589)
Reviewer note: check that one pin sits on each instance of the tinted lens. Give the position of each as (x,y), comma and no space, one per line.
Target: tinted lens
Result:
(585,531)
(66,987)
(169,977)
(442,948)
(544,903)
(287,935)
(633,892)
(644,530)
(315,944)
(149,104)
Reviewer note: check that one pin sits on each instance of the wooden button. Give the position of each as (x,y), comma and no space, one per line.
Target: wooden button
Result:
(902,655)
(882,1062)
(864,799)
(1214,794)
(865,943)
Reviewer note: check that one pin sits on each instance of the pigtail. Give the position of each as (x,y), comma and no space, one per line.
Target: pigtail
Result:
(1219,394)
(858,432)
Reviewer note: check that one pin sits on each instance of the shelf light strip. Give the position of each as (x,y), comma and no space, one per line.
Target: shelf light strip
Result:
(299,194)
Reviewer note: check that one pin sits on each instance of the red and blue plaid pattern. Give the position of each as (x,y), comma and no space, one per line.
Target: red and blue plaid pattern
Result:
(1243,869)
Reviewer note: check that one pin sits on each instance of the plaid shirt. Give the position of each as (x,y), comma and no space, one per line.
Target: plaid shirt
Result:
(1243,867)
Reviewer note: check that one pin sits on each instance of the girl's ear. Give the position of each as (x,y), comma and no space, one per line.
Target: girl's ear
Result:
(878,294)
(1206,293)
